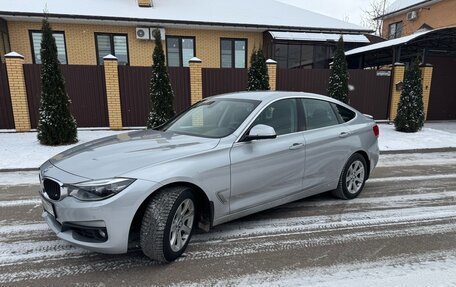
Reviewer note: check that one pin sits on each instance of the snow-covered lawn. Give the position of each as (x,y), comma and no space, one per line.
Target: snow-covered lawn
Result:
(427,138)
(22,150)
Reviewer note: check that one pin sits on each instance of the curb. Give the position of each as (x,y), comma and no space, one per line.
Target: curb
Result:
(18,169)
(426,150)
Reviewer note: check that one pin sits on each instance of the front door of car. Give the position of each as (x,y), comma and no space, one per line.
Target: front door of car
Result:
(266,170)
(328,144)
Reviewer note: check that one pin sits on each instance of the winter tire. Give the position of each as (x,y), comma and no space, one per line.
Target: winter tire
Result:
(352,178)
(168,224)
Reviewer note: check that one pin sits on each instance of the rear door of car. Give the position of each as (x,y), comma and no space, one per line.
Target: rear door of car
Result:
(270,169)
(328,144)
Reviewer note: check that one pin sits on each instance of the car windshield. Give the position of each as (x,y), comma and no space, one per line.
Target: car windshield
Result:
(213,118)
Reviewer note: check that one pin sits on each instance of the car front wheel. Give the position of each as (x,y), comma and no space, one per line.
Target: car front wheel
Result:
(352,178)
(168,223)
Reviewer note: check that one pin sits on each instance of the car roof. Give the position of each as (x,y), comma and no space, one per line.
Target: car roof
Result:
(267,96)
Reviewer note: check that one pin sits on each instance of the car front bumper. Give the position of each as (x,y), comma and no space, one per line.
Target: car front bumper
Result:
(113,216)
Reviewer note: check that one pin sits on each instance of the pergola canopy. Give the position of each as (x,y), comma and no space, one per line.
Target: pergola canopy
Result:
(423,44)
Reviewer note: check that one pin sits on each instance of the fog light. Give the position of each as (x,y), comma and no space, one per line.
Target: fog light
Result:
(102,233)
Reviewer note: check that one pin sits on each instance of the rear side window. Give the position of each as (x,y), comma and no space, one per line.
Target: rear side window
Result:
(345,114)
(318,114)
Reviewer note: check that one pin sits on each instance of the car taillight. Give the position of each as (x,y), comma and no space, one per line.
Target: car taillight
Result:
(376,131)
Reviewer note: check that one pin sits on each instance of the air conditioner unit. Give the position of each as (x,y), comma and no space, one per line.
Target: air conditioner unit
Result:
(412,15)
(162,33)
(142,33)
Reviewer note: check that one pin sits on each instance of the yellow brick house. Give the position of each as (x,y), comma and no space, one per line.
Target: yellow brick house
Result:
(221,33)
(405,17)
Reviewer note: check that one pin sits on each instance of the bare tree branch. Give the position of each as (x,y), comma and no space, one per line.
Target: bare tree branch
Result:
(376,9)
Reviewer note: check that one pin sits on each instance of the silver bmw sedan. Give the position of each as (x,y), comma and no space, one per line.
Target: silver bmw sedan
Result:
(224,158)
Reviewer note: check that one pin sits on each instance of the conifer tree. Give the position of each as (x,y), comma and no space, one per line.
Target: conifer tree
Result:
(160,91)
(258,72)
(338,81)
(410,111)
(56,125)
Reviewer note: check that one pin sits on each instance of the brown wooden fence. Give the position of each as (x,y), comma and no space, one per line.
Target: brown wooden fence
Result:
(219,81)
(134,92)
(6,112)
(370,94)
(85,86)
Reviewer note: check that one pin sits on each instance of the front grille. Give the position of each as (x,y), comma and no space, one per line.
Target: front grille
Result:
(52,189)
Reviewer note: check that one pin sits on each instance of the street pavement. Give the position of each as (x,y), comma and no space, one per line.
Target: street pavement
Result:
(400,231)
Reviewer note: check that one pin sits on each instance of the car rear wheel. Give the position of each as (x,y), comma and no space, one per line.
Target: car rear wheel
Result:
(168,224)
(352,178)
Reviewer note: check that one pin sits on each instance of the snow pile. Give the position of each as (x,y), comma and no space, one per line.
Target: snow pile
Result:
(22,150)
(427,138)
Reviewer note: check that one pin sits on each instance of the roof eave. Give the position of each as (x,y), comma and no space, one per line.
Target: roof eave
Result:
(185,22)
(400,11)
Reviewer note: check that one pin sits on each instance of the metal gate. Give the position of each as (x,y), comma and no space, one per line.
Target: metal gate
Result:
(442,99)
(6,111)
(370,94)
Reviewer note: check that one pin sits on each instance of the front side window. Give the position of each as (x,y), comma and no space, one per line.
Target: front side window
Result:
(59,37)
(233,53)
(180,50)
(318,114)
(213,118)
(281,115)
(114,44)
(395,30)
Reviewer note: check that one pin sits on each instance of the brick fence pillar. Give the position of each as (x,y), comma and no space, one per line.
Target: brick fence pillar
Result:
(396,88)
(113,92)
(196,80)
(426,77)
(272,72)
(16,81)
(196,88)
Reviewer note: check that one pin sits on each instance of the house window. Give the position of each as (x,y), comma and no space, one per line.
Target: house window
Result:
(233,53)
(59,37)
(4,39)
(395,30)
(114,44)
(302,56)
(179,50)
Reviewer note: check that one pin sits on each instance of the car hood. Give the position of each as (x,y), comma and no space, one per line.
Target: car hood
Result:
(116,155)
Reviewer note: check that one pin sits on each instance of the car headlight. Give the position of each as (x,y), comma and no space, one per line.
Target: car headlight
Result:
(98,189)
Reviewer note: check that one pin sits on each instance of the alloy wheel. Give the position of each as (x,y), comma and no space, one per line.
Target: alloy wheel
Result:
(355,177)
(181,226)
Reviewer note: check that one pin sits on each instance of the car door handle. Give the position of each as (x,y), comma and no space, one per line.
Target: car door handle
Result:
(296,146)
(344,134)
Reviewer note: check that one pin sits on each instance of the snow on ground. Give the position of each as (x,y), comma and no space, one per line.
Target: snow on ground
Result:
(410,159)
(427,138)
(22,150)
(434,269)
(19,178)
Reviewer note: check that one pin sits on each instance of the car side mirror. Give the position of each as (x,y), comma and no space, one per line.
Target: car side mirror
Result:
(261,132)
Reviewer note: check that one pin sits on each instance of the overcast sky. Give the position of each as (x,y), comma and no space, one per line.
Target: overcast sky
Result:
(350,10)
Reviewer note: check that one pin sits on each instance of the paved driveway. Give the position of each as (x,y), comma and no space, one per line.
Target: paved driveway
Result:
(401,231)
